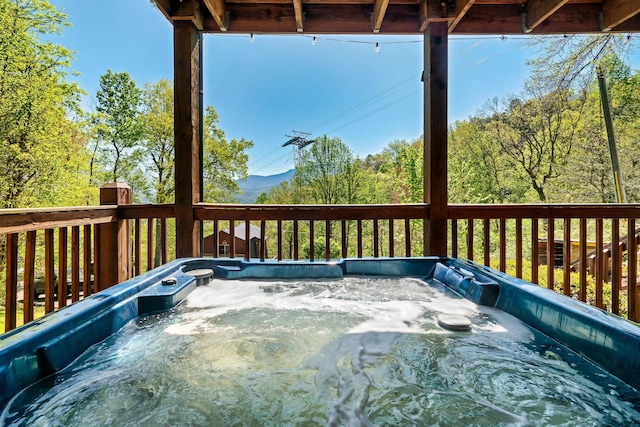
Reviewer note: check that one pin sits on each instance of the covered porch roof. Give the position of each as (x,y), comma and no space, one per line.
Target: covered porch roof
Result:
(406,16)
(434,19)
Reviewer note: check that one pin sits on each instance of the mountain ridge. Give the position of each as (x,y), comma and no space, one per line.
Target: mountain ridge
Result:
(255,185)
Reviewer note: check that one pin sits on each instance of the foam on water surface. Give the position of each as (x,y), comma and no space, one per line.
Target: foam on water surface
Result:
(355,351)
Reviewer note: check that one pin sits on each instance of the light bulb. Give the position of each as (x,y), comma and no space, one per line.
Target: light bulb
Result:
(313,41)
(251,38)
(377,47)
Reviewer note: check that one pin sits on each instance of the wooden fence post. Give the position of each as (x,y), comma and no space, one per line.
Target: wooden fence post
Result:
(114,257)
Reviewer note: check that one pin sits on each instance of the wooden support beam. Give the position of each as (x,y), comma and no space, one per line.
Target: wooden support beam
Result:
(379,10)
(432,11)
(164,6)
(186,44)
(436,42)
(297,8)
(615,12)
(462,7)
(538,11)
(114,244)
(188,10)
(219,12)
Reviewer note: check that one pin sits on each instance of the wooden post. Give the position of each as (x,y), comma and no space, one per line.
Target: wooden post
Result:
(435,136)
(113,257)
(186,44)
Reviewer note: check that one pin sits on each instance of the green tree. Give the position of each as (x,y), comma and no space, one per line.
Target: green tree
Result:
(118,124)
(224,161)
(537,132)
(328,170)
(158,139)
(37,134)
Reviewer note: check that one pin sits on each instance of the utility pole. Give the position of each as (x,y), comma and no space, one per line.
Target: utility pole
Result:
(298,140)
(621,196)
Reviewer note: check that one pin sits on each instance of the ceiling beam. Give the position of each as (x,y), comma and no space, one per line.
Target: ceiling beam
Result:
(164,6)
(615,12)
(537,11)
(379,9)
(432,11)
(462,7)
(188,10)
(219,13)
(297,9)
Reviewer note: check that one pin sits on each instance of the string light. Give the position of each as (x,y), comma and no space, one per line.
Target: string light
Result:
(313,41)
(377,47)
(251,38)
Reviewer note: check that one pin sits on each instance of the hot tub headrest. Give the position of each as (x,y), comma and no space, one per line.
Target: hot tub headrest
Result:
(466,284)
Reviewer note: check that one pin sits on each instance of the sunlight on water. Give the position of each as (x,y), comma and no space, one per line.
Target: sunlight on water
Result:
(350,352)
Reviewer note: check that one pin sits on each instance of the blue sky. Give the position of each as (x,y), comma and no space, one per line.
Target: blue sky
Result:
(262,90)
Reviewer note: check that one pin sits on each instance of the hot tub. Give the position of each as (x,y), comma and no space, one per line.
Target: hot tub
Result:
(428,341)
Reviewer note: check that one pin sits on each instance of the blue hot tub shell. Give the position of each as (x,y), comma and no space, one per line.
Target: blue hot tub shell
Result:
(47,345)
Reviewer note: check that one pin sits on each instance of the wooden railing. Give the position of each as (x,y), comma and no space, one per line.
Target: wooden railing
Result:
(597,262)
(605,237)
(65,260)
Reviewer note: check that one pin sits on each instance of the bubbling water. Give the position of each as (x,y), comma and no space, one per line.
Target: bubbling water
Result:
(355,352)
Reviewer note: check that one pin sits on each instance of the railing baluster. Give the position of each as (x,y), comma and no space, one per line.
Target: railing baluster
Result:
(535,251)
(247,240)
(375,239)
(163,240)
(296,241)
(583,259)
(616,266)
(345,242)
(263,240)
(150,246)
(470,239)
(503,244)
(62,267)
(327,240)
(86,262)
(232,238)
(216,239)
(407,237)
(75,264)
(566,258)
(600,268)
(11,290)
(136,248)
(312,243)
(359,238)
(519,247)
(551,241)
(391,242)
(487,244)
(49,273)
(97,286)
(632,270)
(29,276)
(279,239)
(454,238)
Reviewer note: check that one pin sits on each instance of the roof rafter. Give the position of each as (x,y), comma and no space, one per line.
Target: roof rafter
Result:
(615,12)
(297,8)
(538,11)
(379,9)
(219,13)
(188,10)
(462,7)
(432,11)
